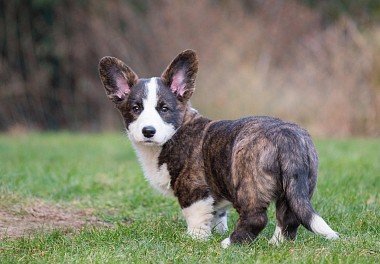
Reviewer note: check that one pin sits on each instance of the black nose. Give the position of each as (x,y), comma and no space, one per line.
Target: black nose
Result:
(148,131)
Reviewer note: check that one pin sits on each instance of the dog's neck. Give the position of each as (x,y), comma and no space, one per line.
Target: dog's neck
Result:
(158,176)
(148,155)
(189,115)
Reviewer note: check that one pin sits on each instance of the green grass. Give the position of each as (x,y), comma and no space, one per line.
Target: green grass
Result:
(101,172)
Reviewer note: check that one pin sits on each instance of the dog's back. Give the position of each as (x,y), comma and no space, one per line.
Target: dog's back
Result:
(257,151)
(255,160)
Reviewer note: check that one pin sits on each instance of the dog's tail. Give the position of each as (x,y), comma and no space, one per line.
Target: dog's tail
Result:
(299,164)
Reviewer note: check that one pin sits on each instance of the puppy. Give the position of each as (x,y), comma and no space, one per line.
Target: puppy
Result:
(209,165)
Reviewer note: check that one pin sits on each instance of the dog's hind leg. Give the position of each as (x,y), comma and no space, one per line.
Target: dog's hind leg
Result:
(252,209)
(254,189)
(277,236)
(287,223)
(297,195)
(250,224)
(299,164)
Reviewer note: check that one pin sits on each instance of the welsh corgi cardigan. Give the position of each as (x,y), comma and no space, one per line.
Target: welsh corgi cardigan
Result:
(210,165)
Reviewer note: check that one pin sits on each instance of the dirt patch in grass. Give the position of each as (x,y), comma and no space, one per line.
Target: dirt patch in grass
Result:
(39,217)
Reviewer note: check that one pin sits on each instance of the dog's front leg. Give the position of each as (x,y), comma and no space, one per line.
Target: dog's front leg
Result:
(199,217)
(219,222)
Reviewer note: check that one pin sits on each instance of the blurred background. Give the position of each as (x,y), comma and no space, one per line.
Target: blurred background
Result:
(313,62)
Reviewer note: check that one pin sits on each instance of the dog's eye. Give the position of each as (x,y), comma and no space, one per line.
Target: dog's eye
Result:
(164,108)
(136,108)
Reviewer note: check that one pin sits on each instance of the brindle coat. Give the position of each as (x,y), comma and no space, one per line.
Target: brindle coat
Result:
(248,162)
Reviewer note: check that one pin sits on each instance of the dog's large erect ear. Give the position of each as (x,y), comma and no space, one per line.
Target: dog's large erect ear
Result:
(181,73)
(117,78)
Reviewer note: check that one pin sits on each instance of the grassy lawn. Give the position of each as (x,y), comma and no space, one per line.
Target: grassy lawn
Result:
(99,172)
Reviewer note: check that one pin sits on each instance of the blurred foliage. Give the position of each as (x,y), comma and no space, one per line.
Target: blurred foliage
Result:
(50,50)
(363,11)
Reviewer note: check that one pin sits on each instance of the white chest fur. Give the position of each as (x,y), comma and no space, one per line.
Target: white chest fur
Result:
(158,177)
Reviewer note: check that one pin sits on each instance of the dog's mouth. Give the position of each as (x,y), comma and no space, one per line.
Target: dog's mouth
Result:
(142,141)
(149,142)
(145,141)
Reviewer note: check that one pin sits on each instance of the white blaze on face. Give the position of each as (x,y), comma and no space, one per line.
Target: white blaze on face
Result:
(150,117)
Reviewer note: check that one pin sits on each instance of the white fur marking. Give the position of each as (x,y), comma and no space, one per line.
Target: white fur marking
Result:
(226,242)
(220,223)
(277,237)
(199,218)
(319,226)
(158,177)
(150,117)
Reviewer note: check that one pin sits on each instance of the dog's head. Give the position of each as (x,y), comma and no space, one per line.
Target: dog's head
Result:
(152,109)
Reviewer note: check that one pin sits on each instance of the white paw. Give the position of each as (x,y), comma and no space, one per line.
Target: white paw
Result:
(275,241)
(199,233)
(277,237)
(226,242)
(332,236)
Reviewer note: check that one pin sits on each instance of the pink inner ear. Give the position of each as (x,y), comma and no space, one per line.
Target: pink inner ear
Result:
(178,83)
(122,87)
